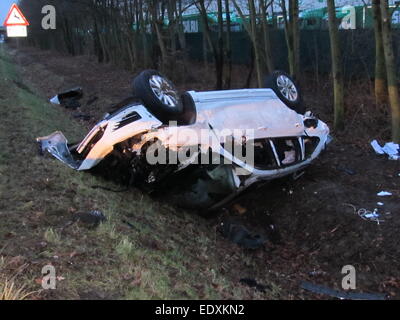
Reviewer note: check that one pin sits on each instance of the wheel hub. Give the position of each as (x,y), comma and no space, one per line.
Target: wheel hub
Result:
(164,91)
(287,88)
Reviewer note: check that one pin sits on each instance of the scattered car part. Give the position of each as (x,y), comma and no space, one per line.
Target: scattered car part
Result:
(91,218)
(285,88)
(254,118)
(238,234)
(390,148)
(318,289)
(57,145)
(74,93)
(69,99)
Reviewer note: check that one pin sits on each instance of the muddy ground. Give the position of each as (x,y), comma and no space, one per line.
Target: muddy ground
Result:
(315,217)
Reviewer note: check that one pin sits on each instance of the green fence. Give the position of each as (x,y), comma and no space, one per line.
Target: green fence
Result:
(358,50)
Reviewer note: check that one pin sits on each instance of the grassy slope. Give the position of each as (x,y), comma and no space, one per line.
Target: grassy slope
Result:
(168,254)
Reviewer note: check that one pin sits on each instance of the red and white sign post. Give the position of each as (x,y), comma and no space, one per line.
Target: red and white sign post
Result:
(16,23)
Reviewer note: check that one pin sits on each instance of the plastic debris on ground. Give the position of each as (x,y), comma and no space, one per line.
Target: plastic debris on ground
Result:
(384,194)
(93,217)
(368,215)
(390,148)
(68,99)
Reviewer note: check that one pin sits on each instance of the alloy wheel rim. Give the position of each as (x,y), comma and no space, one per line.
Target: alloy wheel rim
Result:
(287,88)
(164,91)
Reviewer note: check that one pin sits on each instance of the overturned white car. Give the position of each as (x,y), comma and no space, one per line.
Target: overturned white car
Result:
(202,147)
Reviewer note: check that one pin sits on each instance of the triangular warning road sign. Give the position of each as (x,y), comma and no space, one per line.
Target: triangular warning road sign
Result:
(15,17)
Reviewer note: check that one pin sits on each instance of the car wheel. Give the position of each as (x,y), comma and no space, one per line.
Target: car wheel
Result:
(285,88)
(189,114)
(159,95)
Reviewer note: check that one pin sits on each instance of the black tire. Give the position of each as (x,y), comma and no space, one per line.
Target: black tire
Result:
(167,106)
(286,89)
(189,114)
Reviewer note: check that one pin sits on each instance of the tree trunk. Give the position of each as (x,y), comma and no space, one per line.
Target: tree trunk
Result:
(253,22)
(206,33)
(390,70)
(380,71)
(251,30)
(172,26)
(182,38)
(228,48)
(142,32)
(295,38)
(220,60)
(161,45)
(292,35)
(266,38)
(337,73)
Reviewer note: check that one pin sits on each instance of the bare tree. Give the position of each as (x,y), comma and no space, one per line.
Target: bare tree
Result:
(266,35)
(228,48)
(292,34)
(207,34)
(337,72)
(380,71)
(251,29)
(220,54)
(390,63)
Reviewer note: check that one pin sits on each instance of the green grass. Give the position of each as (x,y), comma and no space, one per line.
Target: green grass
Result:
(169,254)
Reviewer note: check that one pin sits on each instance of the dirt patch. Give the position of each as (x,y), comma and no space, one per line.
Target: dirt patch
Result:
(315,216)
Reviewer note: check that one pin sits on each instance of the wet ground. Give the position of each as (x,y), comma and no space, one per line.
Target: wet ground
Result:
(312,223)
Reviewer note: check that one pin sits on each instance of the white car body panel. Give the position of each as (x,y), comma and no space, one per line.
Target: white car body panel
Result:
(256,109)
(112,136)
